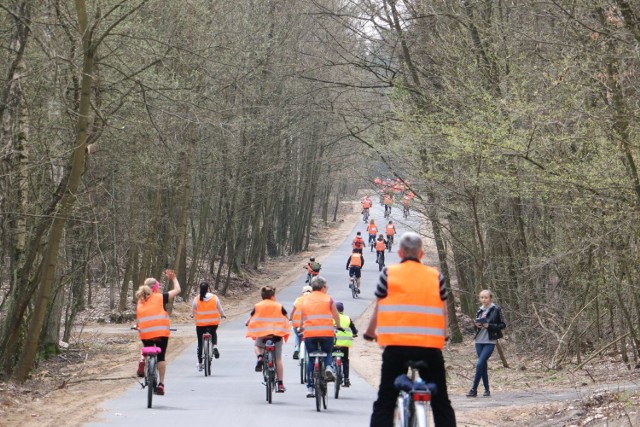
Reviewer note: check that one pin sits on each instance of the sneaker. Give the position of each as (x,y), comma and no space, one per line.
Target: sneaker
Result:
(296,355)
(472,393)
(280,388)
(310,392)
(486,394)
(259,365)
(160,389)
(357,290)
(328,373)
(200,366)
(140,371)
(216,353)
(347,383)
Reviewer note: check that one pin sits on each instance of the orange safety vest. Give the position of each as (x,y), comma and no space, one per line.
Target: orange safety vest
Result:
(153,320)
(372,229)
(366,203)
(358,243)
(268,320)
(412,313)
(391,230)
(207,313)
(296,320)
(387,200)
(355,260)
(316,312)
(380,245)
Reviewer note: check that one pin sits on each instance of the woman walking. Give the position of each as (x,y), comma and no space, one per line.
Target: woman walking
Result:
(489,326)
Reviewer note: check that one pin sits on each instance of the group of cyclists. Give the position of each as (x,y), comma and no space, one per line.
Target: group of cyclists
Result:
(389,190)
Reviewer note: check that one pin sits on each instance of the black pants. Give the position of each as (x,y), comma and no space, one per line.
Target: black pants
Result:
(200,330)
(393,364)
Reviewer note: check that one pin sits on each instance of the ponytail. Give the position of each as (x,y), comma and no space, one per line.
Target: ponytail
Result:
(204,288)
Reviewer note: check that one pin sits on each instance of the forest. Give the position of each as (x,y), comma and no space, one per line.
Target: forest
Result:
(209,136)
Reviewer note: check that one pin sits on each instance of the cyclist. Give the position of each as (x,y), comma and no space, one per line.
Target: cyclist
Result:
(319,315)
(388,201)
(373,231)
(391,231)
(207,312)
(381,245)
(410,320)
(313,269)
(269,321)
(357,243)
(406,204)
(355,262)
(366,204)
(344,340)
(296,317)
(153,322)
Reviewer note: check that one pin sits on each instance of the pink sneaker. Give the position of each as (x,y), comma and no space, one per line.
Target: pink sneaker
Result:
(140,371)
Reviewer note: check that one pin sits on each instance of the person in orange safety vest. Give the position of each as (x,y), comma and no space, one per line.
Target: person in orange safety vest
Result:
(355,262)
(268,321)
(153,322)
(207,312)
(410,323)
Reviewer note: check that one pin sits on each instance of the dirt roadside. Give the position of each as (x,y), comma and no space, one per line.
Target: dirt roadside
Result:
(99,365)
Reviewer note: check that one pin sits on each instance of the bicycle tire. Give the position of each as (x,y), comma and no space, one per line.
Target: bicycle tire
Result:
(207,357)
(400,413)
(317,390)
(420,415)
(338,382)
(325,397)
(151,380)
(354,292)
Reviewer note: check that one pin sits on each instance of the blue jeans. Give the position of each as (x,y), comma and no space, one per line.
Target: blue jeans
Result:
(326,346)
(484,353)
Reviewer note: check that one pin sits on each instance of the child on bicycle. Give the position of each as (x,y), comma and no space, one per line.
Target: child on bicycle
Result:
(344,339)
(391,231)
(296,318)
(268,320)
(207,312)
(373,230)
(357,243)
(313,269)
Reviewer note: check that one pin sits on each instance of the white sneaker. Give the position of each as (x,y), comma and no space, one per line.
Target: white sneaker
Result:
(310,392)
(200,366)
(328,373)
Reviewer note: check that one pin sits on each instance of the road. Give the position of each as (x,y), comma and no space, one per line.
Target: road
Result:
(234,394)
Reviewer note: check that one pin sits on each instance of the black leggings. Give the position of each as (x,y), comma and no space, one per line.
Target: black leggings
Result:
(200,330)
(345,360)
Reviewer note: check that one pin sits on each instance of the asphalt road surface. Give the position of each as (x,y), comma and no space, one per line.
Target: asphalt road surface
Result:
(234,394)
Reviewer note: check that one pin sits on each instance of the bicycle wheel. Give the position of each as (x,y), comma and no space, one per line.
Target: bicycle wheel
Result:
(270,386)
(338,382)
(151,379)
(420,416)
(400,416)
(206,357)
(325,397)
(390,243)
(317,390)
(354,290)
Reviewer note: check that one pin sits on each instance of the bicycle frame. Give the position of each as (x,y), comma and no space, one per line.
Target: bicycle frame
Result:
(269,373)
(206,353)
(318,379)
(151,374)
(413,403)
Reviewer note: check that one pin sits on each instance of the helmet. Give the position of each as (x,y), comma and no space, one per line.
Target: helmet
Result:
(312,259)
(340,307)
(306,289)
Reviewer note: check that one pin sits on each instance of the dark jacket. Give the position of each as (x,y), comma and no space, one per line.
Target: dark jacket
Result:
(495,322)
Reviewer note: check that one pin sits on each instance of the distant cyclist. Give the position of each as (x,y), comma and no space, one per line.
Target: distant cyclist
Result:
(366,204)
(207,312)
(372,229)
(354,265)
(344,340)
(391,231)
(269,321)
(357,243)
(381,246)
(313,269)
(388,202)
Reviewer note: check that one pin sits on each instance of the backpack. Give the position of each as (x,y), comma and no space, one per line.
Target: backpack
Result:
(315,266)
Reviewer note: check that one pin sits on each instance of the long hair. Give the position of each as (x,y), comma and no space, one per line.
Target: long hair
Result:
(143,293)
(204,288)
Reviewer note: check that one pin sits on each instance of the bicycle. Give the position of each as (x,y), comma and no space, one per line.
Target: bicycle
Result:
(353,286)
(269,368)
(207,353)
(380,260)
(389,242)
(412,405)
(151,373)
(365,215)
(405,212)
(387,211)
(337,367)
(319,380)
